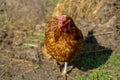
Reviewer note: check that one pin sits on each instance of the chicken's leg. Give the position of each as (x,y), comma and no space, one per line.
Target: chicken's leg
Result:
(65,69)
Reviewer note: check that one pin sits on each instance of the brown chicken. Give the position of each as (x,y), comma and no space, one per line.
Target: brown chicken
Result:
(63,40)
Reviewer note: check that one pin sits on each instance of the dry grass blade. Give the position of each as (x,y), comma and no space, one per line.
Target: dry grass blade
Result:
(84,8)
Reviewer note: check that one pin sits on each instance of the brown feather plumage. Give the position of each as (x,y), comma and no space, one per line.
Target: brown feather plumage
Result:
(62,46)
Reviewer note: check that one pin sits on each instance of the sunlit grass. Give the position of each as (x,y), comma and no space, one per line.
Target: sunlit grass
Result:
(98,75)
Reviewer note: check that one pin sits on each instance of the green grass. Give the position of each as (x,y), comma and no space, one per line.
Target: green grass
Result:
(35,39)
(107,71)
(2,18)
(93,60)
(36,66)
(98,75)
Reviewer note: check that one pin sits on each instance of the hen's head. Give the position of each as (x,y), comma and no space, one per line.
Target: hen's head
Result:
(64,23)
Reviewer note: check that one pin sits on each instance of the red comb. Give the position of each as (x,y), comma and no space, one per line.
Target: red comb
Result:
(60,19)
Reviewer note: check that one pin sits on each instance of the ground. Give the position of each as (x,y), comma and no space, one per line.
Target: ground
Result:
(22,26)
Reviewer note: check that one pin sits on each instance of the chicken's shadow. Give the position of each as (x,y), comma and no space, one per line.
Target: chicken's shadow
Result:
(92,56)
